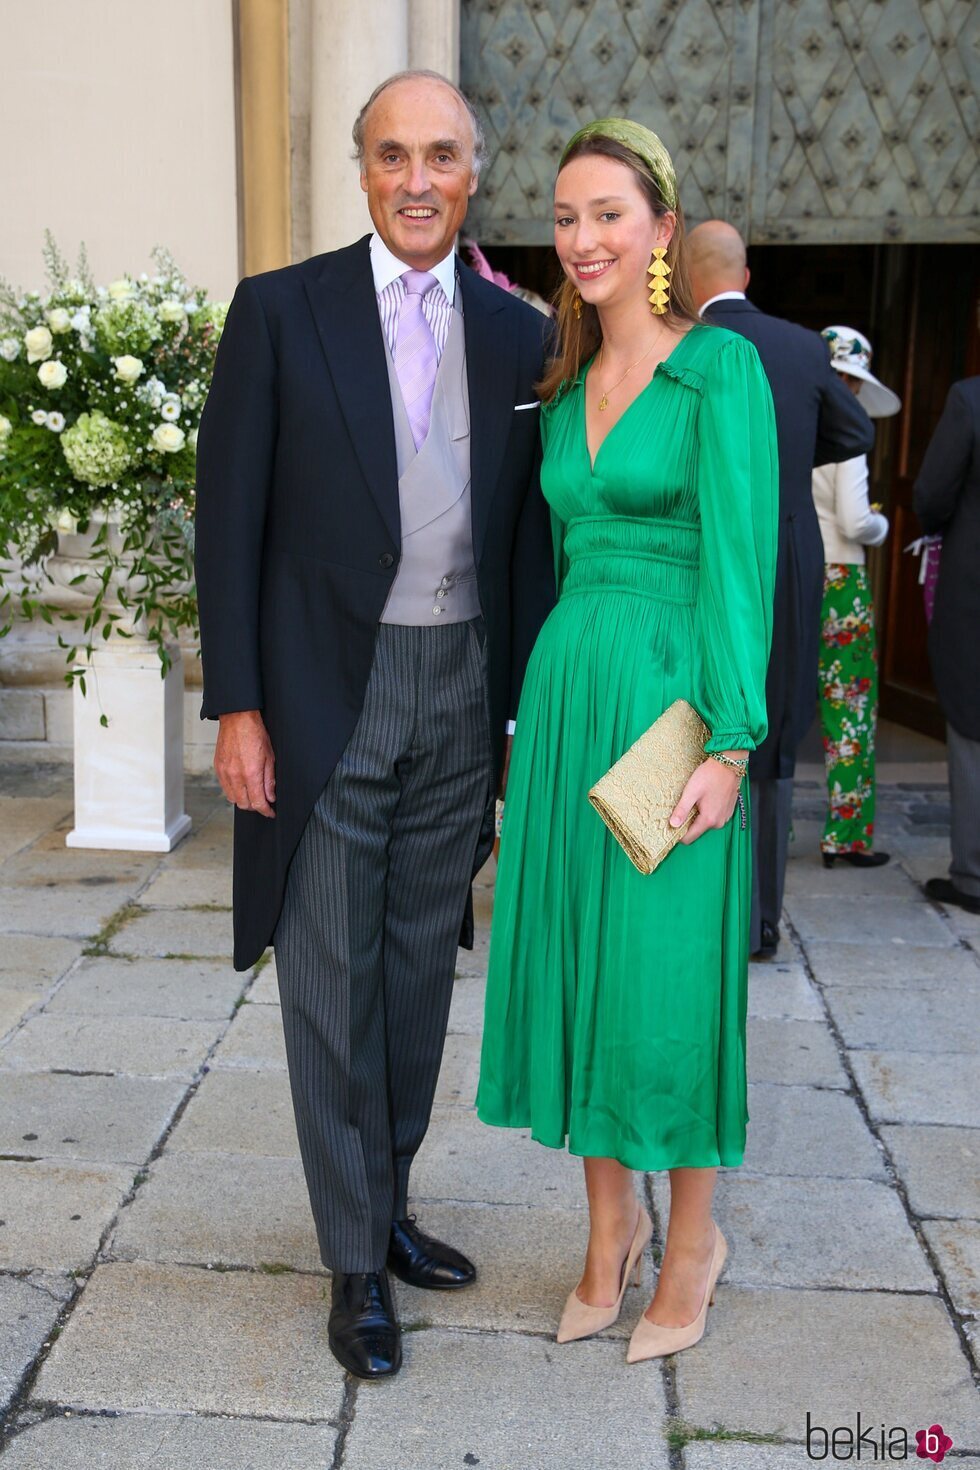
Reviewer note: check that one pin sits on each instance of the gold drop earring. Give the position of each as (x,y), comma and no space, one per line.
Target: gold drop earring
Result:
(658,270)
(577,305)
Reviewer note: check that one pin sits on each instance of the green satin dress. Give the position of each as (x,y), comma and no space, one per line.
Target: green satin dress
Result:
(615,1007)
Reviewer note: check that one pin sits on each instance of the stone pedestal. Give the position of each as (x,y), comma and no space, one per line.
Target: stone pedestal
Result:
(129,773)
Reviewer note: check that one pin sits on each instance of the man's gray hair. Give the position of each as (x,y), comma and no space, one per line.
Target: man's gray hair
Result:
(480,154)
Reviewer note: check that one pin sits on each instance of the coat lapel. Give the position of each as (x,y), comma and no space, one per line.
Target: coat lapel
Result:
(491,370)
(345,308)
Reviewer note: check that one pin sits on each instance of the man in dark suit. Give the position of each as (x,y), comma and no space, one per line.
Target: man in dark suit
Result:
(817,422)
(374,564)
(947,502)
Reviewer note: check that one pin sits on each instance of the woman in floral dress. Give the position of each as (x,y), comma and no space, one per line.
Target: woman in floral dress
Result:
(848,655)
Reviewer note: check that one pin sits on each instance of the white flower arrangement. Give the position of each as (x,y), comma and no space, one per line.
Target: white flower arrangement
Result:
(123,363)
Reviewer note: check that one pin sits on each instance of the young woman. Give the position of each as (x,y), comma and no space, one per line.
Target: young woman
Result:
(615,1012)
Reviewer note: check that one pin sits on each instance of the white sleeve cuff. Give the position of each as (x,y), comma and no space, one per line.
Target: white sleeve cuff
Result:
(511,727)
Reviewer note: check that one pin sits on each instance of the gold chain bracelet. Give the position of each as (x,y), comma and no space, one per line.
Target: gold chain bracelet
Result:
(741,766)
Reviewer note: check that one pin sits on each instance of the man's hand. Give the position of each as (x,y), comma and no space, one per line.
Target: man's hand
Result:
(244,762)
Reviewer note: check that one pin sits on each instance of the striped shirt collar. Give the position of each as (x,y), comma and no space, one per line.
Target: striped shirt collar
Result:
(386,268)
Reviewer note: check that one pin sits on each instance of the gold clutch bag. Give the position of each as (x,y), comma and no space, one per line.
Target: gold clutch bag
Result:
(637,795)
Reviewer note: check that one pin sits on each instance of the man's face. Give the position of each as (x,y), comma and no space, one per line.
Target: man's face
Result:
(418,169)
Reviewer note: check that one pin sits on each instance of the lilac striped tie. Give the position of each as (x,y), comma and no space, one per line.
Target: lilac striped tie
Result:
(415,354)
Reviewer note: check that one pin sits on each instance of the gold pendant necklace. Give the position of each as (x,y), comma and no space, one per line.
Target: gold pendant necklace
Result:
(604,400)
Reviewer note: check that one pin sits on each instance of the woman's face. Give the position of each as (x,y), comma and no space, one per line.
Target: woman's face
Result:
(851,382)
(605,230)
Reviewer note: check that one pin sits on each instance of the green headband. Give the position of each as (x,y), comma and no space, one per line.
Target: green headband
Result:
(641,141)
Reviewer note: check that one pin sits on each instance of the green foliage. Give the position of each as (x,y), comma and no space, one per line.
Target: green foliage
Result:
(680,1434)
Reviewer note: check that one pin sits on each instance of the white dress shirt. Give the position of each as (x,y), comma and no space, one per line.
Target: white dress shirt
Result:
(437,304)
(847,522)
(722,296)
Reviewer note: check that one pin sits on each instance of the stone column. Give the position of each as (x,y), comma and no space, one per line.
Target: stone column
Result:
(433,36)
(352,52)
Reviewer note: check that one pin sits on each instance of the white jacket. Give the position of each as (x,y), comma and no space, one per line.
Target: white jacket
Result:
(847,522)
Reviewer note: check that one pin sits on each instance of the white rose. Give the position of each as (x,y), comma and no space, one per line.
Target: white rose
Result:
(66,522)
(55,422)
(128,369)
(5,427)
(39,343)
(192,438)
(39,417)
(121,290)
(52,374)
(58,319)
(171,310)
(153,391)
(9,349)
(168,438)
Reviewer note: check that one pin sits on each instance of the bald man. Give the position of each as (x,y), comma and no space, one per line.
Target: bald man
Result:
(817,422)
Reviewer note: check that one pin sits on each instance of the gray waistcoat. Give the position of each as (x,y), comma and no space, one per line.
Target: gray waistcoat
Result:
(436,579)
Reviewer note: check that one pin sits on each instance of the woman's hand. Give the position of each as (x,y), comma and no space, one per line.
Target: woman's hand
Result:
(713,789)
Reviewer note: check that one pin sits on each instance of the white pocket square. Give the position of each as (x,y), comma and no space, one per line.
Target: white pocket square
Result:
(519,407)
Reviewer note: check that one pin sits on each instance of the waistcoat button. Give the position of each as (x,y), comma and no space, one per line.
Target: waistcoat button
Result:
(386,561)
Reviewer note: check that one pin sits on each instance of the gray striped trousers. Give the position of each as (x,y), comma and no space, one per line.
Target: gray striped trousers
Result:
(366,941)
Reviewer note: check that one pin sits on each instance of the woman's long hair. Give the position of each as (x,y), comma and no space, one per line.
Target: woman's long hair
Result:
(580,336)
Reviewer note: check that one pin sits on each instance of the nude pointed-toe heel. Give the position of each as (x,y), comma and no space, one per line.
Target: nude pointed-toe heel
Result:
(650,1340)
(579,1319)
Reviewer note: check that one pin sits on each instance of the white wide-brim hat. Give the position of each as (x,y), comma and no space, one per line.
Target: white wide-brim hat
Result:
(850,353)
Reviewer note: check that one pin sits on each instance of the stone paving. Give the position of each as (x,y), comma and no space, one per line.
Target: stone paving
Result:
(161,1298)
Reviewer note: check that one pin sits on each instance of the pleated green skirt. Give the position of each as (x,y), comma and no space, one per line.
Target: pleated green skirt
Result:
(615,1009)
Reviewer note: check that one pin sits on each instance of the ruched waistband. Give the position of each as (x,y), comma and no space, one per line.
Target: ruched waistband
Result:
(640,556)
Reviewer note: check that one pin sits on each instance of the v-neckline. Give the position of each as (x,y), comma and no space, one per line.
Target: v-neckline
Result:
(626,411)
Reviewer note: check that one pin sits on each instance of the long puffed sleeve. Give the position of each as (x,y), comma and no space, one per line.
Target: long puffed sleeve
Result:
(738,492)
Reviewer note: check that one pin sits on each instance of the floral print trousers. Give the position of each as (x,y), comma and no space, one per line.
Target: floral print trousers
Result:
(848,707)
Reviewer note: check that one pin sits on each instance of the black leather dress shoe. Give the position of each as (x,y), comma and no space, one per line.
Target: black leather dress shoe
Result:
(768,942)
(417,1259)
(856,859)
(944,890)
(363,1331)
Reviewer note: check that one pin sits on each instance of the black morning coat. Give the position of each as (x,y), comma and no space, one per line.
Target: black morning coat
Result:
(947,502)
(298,529)
(818,421)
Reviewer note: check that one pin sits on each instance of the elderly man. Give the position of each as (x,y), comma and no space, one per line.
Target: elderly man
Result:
(817,422)
(374,563)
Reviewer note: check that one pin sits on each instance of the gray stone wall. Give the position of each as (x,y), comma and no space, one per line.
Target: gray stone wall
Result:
(815,121)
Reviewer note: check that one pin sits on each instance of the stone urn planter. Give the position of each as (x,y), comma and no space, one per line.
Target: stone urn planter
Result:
(127,713)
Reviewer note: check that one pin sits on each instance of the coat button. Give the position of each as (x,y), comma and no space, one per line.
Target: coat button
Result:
(386,561)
